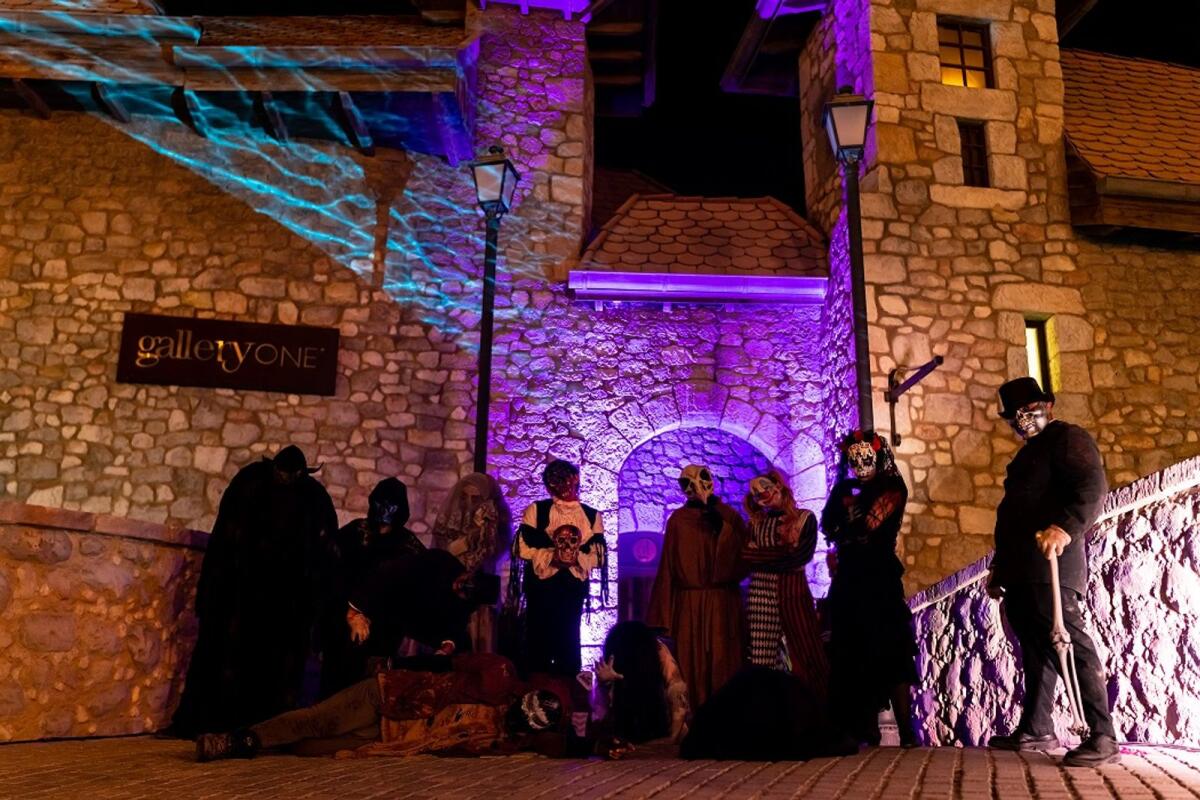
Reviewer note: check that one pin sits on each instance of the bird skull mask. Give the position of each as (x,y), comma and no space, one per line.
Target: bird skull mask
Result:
(696,482)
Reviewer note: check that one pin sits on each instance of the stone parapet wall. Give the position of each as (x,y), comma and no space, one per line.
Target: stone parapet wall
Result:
(1144,601)
(96,622)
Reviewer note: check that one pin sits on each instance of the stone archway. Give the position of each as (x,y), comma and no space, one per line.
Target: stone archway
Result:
(648,490)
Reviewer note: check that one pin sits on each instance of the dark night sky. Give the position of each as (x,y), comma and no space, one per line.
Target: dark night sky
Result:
(698,140)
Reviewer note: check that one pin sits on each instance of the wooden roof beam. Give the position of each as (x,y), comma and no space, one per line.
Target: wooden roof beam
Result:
(111,105)
(275,124)
(356,124)
(31,97)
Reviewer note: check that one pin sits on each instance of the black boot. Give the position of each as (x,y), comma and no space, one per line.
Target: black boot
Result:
(215,746)
(1020,740)
(1098,749)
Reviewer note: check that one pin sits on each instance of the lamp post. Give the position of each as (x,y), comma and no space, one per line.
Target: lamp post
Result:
(495,181)
(846,117)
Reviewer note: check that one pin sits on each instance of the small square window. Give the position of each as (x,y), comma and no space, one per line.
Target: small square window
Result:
(1037,351)
(965,53)
(972,137)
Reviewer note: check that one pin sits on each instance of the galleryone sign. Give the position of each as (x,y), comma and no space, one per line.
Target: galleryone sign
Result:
(181,351)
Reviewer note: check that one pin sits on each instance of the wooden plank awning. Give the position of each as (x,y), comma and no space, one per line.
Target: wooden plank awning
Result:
(372,57)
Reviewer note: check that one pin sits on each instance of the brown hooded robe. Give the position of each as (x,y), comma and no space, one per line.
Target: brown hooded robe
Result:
(696,596)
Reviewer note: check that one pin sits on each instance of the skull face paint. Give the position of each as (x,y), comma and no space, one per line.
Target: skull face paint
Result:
(1031,420)
(696,482)
(860,456)
(767,493)
(566,544)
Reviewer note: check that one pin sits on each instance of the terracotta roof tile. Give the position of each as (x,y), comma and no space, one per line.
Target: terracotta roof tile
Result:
(1130,117)
(666,233)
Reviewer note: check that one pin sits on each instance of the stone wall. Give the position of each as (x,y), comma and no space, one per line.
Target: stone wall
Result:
(954,270)
(1144,598)
(97,219)
(96,622)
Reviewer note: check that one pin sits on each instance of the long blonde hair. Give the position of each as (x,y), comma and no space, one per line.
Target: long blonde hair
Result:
(789,526)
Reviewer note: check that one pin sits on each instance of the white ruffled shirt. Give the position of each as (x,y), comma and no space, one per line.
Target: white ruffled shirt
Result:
(563,512)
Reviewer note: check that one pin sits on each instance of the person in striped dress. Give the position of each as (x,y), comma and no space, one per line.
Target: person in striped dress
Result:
(784,632)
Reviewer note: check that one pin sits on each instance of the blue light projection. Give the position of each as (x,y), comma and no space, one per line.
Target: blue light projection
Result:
(423,251)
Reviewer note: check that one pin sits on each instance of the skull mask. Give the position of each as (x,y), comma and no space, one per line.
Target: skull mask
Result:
(562,479)
(860,456)
(696,482)
(766,492)
(1031,420)
(566,544)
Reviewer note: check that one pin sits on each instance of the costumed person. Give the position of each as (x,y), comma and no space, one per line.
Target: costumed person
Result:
(353,552)
(783,616)
(763,714)
(473,704)
(640,693)
(558,545)
(474,526)
(257,597)
(1053,492)
(872,646)
(696,596)
(407,598)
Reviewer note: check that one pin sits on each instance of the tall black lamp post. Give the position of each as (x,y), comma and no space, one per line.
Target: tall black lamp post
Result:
(846,118)
(495,181)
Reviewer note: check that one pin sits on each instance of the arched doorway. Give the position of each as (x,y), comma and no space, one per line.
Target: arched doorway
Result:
(648,490)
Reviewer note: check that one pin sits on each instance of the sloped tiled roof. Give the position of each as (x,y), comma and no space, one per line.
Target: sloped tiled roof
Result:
(1133,118)
(668,233)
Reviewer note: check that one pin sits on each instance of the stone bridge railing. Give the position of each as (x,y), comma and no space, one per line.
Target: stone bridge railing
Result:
(96,622)
(1144,596)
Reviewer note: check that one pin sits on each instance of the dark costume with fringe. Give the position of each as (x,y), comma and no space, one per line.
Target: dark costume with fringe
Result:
(872,646)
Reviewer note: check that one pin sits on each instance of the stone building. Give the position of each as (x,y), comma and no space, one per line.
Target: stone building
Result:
(311,173)
(1074,221)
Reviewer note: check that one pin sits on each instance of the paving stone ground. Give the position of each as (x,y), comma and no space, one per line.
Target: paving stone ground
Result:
(127,768)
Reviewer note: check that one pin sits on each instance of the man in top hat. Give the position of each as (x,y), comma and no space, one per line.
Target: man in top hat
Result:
(257,596)
(1052,494)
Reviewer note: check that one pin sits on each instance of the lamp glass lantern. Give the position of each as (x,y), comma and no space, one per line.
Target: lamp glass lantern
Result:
(495,182)
(846,118)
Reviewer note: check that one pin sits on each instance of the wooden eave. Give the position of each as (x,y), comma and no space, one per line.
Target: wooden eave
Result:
(764,61)
(1106,203)
(144,50)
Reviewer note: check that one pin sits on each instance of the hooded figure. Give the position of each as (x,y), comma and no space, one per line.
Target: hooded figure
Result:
(256,598)
(474,527)
(359,548)
(872,647)
(696,595)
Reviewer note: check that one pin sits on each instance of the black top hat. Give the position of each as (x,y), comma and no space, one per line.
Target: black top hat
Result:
(1020,392)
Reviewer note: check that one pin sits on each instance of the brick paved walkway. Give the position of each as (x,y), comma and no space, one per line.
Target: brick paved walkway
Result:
(120,769)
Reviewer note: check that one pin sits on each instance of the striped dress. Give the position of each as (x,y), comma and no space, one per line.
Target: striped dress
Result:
(784,633)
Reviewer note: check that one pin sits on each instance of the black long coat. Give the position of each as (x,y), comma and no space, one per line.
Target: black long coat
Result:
(1056,478)
(256,601)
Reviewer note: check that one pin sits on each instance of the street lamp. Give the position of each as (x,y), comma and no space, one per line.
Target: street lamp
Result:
(846,118)
(495,181)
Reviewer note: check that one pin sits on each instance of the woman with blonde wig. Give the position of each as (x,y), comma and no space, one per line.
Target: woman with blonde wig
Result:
(784,632)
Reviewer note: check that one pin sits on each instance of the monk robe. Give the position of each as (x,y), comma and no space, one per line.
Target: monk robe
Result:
(696,596)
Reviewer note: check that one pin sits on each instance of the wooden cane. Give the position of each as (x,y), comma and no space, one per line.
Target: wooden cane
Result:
(1066,653)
